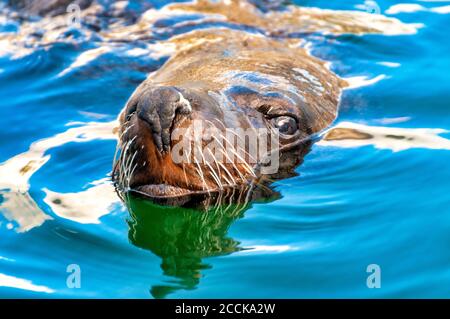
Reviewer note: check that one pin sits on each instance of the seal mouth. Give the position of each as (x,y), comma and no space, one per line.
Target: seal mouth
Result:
(169,195)
(163,190)
(165,194)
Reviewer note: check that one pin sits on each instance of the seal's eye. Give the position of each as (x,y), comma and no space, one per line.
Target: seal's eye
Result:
(285,124)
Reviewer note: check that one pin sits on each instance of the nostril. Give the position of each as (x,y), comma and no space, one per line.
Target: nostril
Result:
(184,106)
(158,108)
(130,112)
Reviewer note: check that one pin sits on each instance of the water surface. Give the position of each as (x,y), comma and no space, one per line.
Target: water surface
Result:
(349,207)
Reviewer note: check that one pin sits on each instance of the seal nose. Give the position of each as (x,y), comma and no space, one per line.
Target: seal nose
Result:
(158,107)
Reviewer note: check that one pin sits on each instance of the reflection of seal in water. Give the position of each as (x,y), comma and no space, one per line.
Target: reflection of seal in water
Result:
(182,238)
(227,79)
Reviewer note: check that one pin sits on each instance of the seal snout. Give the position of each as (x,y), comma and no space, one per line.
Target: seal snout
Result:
(158,107)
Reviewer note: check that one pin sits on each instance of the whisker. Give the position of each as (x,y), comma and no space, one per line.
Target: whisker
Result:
(228,173)
(212,172)
(200,173)
(231,200)
(126,163)
(229,159)
(233,150)
(130,172)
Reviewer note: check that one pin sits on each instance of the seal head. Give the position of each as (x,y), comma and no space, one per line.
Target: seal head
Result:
(187,130)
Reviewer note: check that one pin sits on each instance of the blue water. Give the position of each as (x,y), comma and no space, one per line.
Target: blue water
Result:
(347,209)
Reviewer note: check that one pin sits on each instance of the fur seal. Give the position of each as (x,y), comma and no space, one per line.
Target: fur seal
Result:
(234,66)
(228,78)
(224,79)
